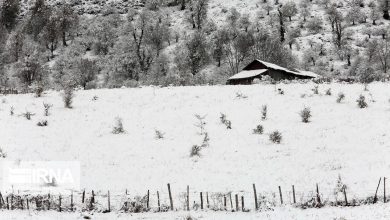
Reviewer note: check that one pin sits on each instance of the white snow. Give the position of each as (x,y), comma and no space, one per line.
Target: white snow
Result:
(248,73)
(341,139)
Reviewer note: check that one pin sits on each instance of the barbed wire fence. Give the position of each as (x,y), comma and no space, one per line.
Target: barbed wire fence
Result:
(169,200)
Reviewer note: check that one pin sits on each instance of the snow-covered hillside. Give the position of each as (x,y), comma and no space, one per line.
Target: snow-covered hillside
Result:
(341,139)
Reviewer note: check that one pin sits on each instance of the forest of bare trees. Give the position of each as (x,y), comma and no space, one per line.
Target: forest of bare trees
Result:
(54,46)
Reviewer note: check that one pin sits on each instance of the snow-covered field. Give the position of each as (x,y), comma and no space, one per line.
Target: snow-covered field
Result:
(377,212)
(341,139)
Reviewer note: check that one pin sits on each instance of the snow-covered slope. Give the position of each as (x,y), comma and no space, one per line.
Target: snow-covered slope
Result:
(341,139)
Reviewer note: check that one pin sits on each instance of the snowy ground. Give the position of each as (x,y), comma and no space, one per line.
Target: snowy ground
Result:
(377,212)
(341,139)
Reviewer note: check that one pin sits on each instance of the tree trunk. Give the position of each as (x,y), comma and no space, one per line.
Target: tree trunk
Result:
(183,5)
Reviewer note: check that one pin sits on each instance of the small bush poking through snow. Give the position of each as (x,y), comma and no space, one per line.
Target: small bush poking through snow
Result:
(239,95)
(95,98)
(275,137)
(67,97)
(201,124)
(28,115)
(42,123)
(328,92)
(361,102)
(2,153)
(118,128)
(226,122)
(280,91)
(195,151)
(11,111)
(340,97)
(315,90)
(159,134)
(206,140)
(264,111)
(305,115)
(47,108)
(258,130)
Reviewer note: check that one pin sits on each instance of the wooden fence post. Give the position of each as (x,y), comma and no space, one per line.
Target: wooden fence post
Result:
(207,200)
(1,201)
(281,196)
(147,201)
(109,202)
(384,189)
(376,192)
(224,202)
(201,201)
(7,203)
(27,204)
(231,201)
(48,199)
(293,189)
(345,196)
(188,198)
(318,195)
(59,204)
(255,194)
(71,201)
(236,196)
(158,201)
(242,204)
(170,196)
(83,197)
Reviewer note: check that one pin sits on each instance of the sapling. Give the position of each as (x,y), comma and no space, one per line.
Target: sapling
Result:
(118,128)
(159,134)
(264,111)
(11,111)
(42,123)
(47,108)
(340,97)
(258,130)
(361,102)
(275,137)
(195,151)
(28,115)
(305,115)
(201,123)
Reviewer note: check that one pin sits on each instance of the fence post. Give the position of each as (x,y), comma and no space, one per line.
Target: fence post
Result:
(318,195)
(188,198)
(48,199)
(170,196)
(224,202)
(384,189)
(147,201)
(281,196)
(71,201)
(83,196)
(158,201)
(201,201)
(345,196)
(59,204)
(231,201)
(1,201)
(293,189)
(109,202)
(255,194)
(236,202)
(27,204)
(242,204)
(207,200)
(376,192)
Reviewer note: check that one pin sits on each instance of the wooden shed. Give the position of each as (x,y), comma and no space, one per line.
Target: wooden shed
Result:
(258,68)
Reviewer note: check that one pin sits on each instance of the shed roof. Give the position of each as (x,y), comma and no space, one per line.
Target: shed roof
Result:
(299,73)
(248,74)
